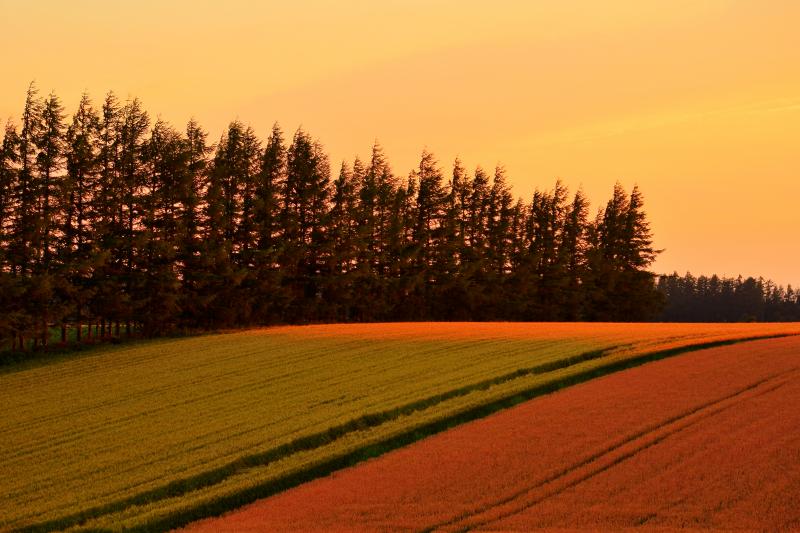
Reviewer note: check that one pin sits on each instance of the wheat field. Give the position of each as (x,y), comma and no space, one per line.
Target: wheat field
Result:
(702,442)
(153,435)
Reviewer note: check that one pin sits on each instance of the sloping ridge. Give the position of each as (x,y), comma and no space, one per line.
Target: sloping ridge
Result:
(354,456)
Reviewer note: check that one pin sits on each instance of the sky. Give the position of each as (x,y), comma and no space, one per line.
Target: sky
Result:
(697,102)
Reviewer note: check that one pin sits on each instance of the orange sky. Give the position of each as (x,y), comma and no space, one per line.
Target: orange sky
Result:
(696,101)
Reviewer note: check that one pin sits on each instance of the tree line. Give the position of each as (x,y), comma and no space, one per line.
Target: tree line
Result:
(724,299)
(113,223)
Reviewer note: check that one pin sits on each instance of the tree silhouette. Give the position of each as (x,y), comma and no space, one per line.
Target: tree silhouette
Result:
(109,219)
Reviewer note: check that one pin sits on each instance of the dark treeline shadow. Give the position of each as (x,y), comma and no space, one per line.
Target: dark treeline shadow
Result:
(113,224)
(721,299)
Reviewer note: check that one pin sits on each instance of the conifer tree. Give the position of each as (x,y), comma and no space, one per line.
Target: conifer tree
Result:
(636,297)
(341,288)
(265,285)
(474,259)
(230,230)
(403,275)
(8,160)
(26,224)
(499,223)
(217,278)
(303,214)
(428,233)
(109,299)
(25,231)
(49,162)
(460,191)
(50,290)
(190,261)
(382,181)
(622,290)
(604,256)
(156,295)
(271,181)
(376,189)
(133,127)
(638,251)
(572,257)
(550,217)
(478,214)
(13,318)
(79,250)
(452,299)
(367,304)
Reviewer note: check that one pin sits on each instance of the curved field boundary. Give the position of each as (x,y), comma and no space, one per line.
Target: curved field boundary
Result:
(703,441)
(85,520)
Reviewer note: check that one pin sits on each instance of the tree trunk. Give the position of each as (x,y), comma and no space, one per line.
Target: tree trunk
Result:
(116,329)
(79,332)
(45,333)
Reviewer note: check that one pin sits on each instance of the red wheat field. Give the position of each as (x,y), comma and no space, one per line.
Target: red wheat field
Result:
(709,439)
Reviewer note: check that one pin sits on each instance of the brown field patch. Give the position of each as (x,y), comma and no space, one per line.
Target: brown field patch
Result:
(705,440)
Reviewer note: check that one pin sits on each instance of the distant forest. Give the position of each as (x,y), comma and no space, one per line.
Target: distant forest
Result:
(120,224)
(721,299)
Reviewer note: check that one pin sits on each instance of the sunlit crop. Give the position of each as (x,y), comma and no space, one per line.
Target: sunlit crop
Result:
(706,441)
(157,434)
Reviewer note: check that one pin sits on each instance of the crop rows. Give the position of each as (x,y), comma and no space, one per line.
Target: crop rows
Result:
(153,435)
(704,441)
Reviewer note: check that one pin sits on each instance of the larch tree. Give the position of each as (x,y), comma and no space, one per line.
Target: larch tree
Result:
(133,128)
(341,287)
(428,233)
(190,262)
(8,166)
(264,282)
(108,279)
(13,319)
(572,257)
(229,226)
(156,295)
(79,248)
(304,211)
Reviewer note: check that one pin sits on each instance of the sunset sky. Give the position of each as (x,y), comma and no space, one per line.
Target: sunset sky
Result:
(696,101)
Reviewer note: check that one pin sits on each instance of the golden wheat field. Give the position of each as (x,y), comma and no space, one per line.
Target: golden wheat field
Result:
(154,435)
